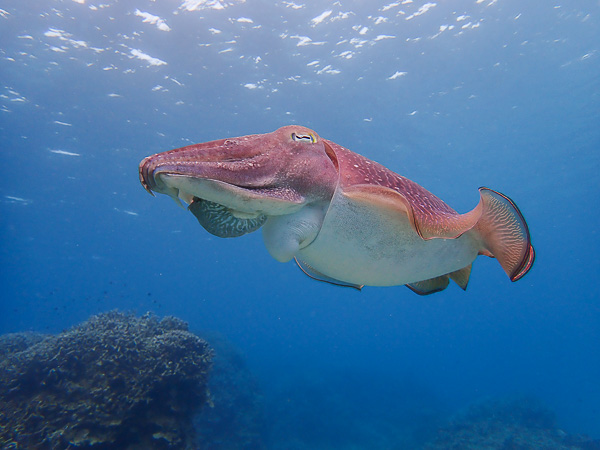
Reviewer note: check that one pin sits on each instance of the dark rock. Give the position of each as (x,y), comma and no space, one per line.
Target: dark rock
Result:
(115,381)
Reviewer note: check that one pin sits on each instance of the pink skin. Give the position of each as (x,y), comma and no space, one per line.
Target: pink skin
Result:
(272,165)
(279,173)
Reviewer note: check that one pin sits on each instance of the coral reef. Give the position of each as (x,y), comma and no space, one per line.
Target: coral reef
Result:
(115,381)
(235,419)
(16,342)
(522,423)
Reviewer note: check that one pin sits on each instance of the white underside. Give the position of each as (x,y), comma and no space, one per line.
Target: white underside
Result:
(361,244)
(243,202)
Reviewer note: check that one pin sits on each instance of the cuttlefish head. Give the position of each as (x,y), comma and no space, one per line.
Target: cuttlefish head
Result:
(263,174)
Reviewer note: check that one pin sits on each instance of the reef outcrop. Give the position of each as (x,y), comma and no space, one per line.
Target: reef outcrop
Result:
(115,381)
(236,418)
(521,423)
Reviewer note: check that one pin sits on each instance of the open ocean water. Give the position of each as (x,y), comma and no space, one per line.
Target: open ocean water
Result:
(451,94)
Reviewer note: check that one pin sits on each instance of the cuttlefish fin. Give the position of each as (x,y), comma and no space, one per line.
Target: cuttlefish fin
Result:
(461,276)
(430,286)
(500,225)
(505,233)
(316,275)
(437,284)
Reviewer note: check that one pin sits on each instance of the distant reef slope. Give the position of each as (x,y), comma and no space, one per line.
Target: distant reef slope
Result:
(115,381)
(519,423)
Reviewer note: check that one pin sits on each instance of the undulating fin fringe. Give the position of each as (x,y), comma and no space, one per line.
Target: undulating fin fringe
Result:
(430,286)
(505,233)
(316,275)
(461,277)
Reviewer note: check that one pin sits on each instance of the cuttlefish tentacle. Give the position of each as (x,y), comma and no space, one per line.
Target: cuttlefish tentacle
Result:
(345,219)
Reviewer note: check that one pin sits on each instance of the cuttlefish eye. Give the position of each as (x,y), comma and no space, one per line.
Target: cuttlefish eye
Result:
(310,138)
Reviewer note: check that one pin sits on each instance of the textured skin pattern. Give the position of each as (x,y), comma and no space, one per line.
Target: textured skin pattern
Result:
(219,221)
(356,169)
(432,217)
(506,233)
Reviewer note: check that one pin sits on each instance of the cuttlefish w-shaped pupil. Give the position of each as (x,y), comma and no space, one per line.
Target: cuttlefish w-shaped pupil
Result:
(220,221)
(302,137)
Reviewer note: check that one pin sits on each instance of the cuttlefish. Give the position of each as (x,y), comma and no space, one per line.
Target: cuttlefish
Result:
(343,218)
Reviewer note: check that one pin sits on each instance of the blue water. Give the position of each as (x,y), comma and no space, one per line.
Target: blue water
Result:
(454,96)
